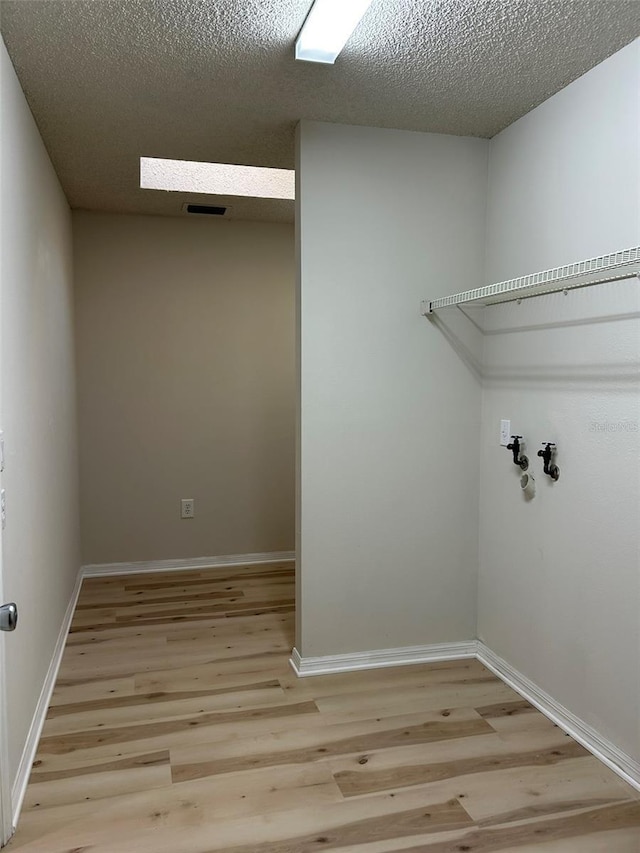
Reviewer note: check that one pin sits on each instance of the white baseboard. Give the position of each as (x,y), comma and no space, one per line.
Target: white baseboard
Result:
(33,737)
(95,570)
(621,763)
(618,761)
(329,664)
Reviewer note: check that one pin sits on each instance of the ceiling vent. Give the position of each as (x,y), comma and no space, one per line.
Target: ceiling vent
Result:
(205,209)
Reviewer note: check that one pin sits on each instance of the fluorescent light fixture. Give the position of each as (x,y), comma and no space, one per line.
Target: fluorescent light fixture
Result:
(188,176)
(327,28)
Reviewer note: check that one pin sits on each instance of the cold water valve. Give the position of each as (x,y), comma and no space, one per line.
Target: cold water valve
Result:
(518,457)
(548,455)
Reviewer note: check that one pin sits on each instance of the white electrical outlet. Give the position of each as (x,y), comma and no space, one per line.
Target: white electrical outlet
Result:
(505,433)
(187,508)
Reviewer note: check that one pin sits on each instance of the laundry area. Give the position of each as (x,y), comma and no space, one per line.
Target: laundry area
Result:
(320,426)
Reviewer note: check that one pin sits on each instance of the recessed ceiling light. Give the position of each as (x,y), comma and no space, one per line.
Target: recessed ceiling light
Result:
(327,28)
(216,178)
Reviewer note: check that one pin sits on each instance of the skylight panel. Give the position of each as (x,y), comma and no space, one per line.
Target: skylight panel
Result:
(190,176)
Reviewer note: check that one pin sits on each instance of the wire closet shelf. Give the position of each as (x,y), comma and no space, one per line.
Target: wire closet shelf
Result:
(601,270)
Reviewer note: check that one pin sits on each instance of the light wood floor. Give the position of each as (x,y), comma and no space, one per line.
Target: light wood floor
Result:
(177,726)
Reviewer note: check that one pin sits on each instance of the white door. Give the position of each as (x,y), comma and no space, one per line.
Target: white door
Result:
(6,827)
(5,788)
(6,812)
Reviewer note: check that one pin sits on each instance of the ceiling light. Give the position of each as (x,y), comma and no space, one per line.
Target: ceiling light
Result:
(216,178)
(327,28)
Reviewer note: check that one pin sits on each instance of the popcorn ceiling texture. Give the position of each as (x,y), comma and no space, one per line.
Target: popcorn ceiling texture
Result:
(216,80)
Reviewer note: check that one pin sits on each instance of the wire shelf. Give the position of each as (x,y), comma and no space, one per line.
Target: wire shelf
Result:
(601,270)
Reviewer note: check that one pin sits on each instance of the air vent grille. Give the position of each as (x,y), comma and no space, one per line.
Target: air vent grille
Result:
(205,209)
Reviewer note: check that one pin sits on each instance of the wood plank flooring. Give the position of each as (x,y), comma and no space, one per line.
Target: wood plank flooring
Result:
(177,726)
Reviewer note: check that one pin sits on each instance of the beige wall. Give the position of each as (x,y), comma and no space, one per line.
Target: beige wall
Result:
(41,539)
(185,340)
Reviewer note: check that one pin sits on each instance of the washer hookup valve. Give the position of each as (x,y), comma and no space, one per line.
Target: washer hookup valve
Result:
(547,455)
(518,458)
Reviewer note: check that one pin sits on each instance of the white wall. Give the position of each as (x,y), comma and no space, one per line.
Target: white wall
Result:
(389,406)
(559,584)
(41,540)
(186,385)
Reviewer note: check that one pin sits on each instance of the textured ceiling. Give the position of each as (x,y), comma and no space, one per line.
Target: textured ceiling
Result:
(111,80)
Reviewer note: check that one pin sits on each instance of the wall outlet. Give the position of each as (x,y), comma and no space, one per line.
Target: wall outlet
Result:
(505,433)
(187,508)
